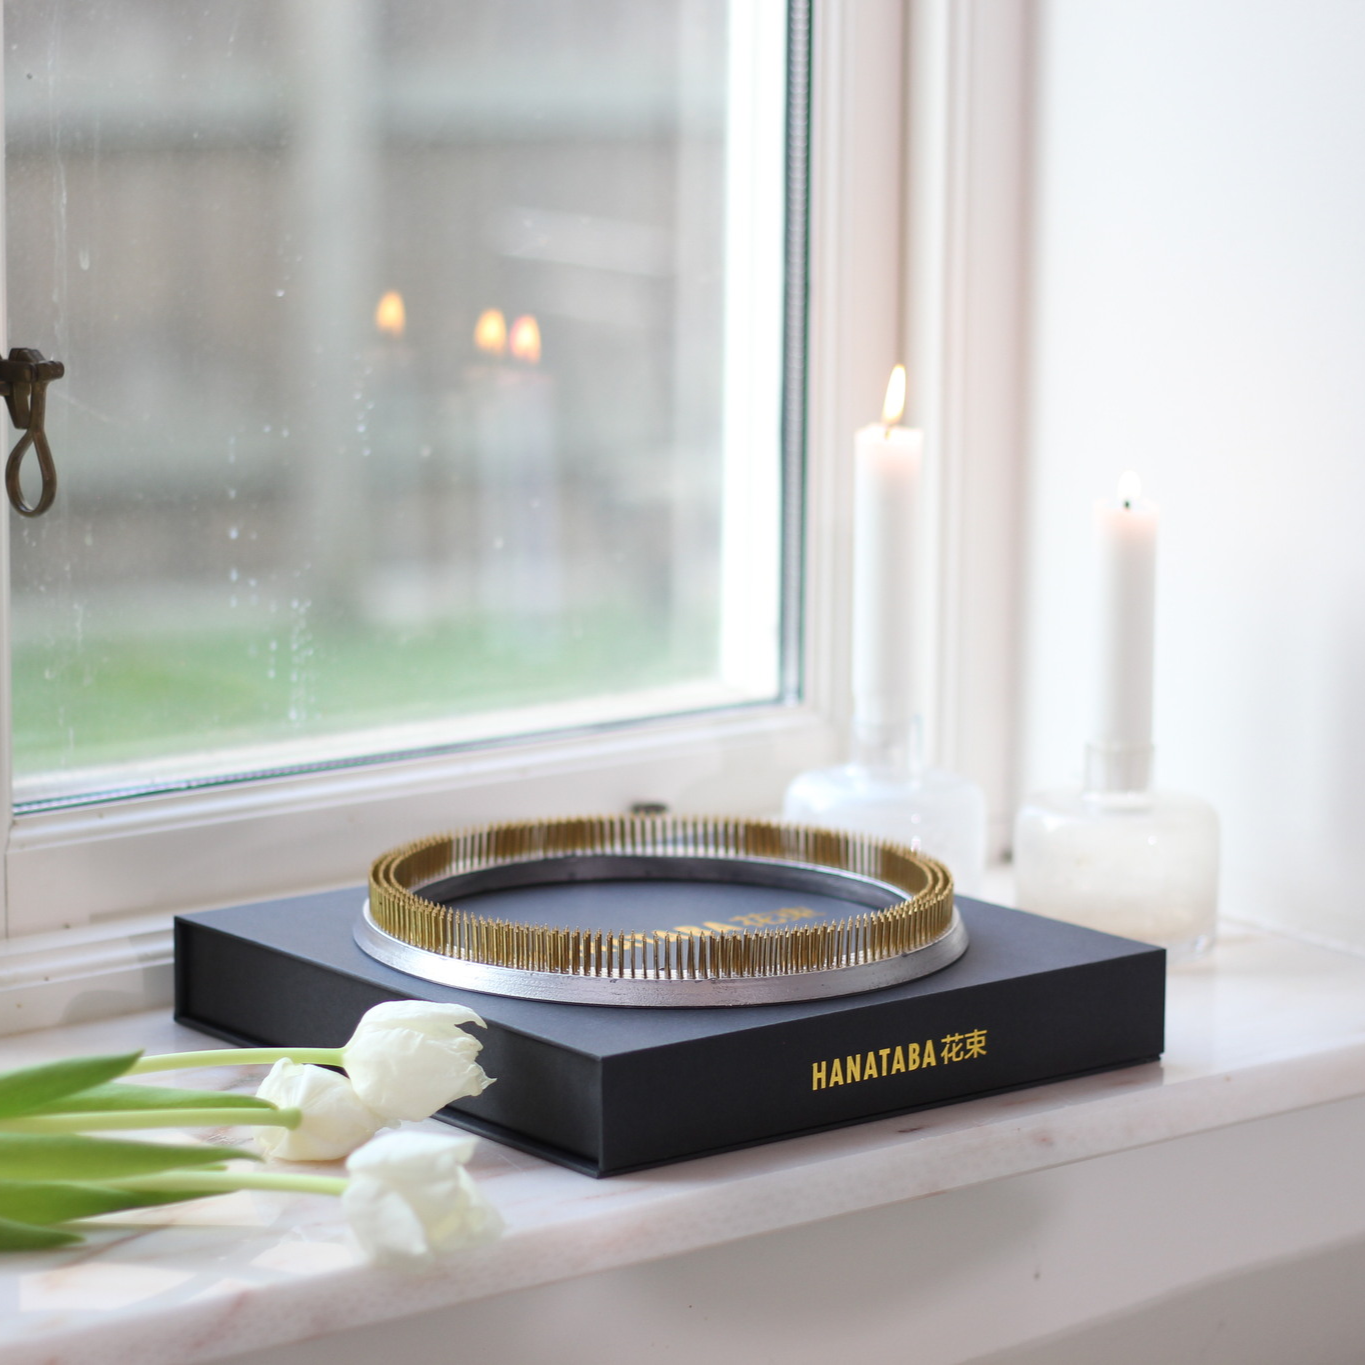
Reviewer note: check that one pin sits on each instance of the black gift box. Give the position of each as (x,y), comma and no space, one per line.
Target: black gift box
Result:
(606,1090)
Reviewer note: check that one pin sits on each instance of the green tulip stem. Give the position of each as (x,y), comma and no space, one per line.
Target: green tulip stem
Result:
(96,1121)
(236,1056)
(224,1182)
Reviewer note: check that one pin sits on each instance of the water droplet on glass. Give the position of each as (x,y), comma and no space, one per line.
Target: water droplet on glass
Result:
(279,293)
(233,532)
(232,575)
(83,258)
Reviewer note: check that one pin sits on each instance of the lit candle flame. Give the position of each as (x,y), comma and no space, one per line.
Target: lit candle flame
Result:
(894,406)
(1130,488)
(490,332)
(390,316)
(524,340)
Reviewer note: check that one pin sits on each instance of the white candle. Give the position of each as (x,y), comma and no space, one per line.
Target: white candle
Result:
(1121,732)
(885,502)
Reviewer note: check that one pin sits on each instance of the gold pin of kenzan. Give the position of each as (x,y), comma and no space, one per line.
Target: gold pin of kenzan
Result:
(900,919)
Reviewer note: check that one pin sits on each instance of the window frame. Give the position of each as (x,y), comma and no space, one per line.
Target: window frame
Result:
(888,273)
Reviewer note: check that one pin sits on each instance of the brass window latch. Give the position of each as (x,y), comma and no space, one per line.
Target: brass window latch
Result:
(24,377)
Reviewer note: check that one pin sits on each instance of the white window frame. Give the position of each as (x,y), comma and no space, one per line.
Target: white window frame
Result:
(933,276)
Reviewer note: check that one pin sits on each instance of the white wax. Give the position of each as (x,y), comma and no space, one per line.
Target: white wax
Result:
(885,533)
(1126,535)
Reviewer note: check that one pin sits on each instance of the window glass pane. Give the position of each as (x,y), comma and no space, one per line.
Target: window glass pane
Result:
(423,374)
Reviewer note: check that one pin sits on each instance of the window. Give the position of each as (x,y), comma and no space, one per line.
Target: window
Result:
(424,373)
(743,692)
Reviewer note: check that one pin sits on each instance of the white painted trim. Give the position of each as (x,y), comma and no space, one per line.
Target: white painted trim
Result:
(358,747)
(751,428)
(258,840)
(89,973)
(255,840)
(857,167)
(969,115)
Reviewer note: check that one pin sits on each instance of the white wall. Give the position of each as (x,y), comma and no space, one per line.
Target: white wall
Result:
(1198,284)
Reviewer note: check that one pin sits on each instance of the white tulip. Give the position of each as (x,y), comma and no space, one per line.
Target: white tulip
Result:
(409,1196)
(409,1058)
(335,1122)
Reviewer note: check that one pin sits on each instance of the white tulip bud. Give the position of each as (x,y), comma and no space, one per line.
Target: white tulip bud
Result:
(409,1058)
(335,1122)
(409,1196)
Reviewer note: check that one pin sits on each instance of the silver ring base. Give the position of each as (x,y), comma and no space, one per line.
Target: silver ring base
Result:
(648,991)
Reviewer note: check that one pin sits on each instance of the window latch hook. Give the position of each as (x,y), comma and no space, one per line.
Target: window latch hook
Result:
(24,377)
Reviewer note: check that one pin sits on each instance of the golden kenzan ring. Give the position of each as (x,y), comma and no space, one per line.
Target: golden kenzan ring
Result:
(408,924)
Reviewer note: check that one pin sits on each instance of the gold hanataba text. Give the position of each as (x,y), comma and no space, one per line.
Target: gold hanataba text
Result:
(887,1061)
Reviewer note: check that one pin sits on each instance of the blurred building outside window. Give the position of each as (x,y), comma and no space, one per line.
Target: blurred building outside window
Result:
(425,366)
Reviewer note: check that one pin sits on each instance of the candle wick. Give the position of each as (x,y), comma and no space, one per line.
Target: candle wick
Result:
(1128,504)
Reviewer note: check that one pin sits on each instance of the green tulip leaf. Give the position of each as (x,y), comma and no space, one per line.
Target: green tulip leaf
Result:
(26,1237)
(39,1156)
(32,1201)
(23,1091)
(128,1098)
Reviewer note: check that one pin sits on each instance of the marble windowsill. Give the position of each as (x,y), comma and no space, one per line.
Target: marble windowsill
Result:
(1264,1025)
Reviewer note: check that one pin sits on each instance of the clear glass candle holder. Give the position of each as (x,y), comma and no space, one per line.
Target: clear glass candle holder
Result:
(1143,864)
(886,792)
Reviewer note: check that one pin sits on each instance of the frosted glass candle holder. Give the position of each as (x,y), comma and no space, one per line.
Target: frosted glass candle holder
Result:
(931,811)
(1143,864)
